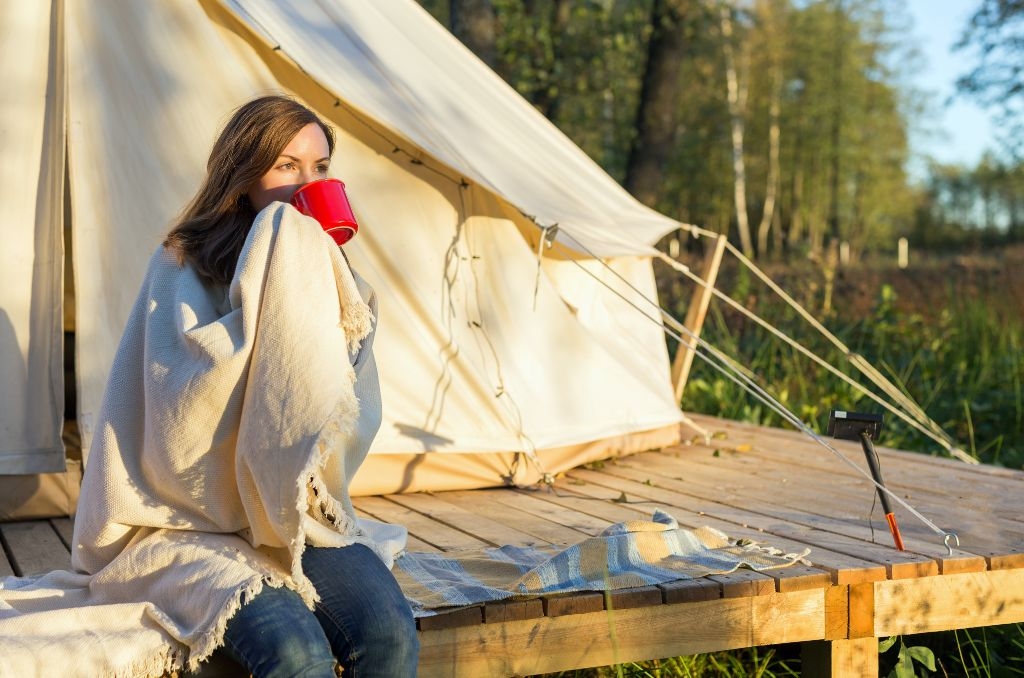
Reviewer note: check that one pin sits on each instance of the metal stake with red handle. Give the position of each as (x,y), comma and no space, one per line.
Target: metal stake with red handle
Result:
(865,427)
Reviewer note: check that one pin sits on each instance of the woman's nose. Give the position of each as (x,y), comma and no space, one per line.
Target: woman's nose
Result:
(307,175)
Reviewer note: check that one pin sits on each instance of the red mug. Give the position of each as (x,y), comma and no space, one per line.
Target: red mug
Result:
(325,201)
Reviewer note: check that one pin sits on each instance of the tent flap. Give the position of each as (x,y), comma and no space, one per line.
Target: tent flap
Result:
(31,219)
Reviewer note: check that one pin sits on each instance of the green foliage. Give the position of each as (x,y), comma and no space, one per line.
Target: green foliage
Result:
(963,365)
(749,663)
(905,660)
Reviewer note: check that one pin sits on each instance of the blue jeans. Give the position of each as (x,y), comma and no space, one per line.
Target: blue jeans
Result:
(362,619)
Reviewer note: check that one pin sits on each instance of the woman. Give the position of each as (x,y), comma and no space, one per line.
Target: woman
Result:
(214,510)
(269,148)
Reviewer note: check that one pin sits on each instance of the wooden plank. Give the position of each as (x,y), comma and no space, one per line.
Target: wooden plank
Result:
(543,528)
(757,480)
(844,568)
(422,527)
(950,602)
(707,486)
(690,591)
(937,485)
(481,527)
(550,644)
(449,619)
(578,602)
(626,599)
(65,529)
(501,611)
(703,501)
(919,539)
(748,432)
(537,502)
(857,658)
(5,565)
(837,612)
(573,498)
(412,543)
(799,578)
(35,547)
(743,583)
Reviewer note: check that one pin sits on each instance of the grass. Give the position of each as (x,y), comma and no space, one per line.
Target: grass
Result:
(963,365)
(958,355)
(755,662)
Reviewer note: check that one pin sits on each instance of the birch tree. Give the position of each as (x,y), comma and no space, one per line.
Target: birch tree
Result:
(771,19)
(737,98)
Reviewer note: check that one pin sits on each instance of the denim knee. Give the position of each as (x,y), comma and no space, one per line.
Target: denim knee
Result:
(299,655)
(395,633)
(275,636)
(363,612)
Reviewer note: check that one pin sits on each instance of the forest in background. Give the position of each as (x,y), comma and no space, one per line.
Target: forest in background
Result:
(783,123)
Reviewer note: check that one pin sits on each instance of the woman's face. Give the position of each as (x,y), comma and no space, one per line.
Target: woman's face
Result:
(304,159)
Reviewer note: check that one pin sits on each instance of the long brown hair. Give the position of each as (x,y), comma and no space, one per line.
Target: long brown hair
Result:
(212,228)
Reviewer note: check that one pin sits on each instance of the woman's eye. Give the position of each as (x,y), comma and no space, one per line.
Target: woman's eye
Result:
(321,169)
(286,166)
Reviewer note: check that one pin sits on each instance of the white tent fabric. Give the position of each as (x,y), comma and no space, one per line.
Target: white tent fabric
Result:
(31,245)
(483,350)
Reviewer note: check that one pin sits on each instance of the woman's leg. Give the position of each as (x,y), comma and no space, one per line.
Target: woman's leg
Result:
(363,612)
(275,635)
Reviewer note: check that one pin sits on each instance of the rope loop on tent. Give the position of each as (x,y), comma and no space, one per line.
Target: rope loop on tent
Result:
(547,239)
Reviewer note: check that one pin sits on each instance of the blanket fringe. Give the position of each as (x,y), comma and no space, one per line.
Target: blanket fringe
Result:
(165,661)
(213,637)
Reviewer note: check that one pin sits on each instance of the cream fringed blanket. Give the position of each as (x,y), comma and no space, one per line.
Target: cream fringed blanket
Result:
(231,424)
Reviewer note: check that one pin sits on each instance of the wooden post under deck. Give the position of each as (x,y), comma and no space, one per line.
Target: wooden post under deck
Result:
(848,658)
(695,315)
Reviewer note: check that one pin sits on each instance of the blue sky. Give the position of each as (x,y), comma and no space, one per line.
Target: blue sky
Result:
(961,131)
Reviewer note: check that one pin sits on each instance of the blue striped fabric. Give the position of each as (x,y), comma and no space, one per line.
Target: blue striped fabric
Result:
(636,553)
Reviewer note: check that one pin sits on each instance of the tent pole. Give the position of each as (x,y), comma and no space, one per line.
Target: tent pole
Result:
(695,315)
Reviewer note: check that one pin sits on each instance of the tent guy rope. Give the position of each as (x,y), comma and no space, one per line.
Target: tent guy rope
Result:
(727,368)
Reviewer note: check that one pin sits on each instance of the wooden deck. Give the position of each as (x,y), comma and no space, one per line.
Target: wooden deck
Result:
(772,486)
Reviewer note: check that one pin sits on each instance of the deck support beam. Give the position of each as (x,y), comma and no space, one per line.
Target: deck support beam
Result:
(850,658)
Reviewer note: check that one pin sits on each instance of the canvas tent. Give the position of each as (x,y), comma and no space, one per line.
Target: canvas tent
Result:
(488,352)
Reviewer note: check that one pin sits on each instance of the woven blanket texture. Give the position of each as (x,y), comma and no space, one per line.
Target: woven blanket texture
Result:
(625,555)
(232,420)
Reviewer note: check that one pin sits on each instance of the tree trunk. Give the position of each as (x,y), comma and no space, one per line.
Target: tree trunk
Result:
(657,110)
(547,99)
(737,92)
(837,121)
(771,189)
(475,24)
(796,217)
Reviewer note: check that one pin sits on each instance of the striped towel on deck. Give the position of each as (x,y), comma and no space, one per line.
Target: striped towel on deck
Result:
(626,555)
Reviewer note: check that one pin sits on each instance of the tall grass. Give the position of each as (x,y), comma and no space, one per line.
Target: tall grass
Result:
(963,364)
